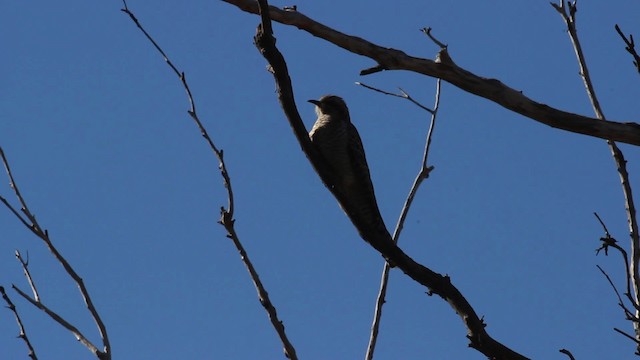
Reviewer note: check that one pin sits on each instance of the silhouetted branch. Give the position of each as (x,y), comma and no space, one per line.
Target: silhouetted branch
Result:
(631,49)
(423,173)
(226,218)
(607,242)
(378,239)
(32,224)
(628,314)
(23,332)
(568,353)
(633,274)
(491,89)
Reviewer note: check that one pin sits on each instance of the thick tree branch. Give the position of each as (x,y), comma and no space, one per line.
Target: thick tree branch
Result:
(380,240)
(491,89)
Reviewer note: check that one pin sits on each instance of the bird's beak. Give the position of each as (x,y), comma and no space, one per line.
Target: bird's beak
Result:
(314,102)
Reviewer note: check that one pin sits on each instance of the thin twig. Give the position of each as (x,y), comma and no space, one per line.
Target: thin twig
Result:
(609,241)
(606,231)
(226,218)
(427,31)
(631,49)
(27,274)
(568,353)
(23,332)
(60,320)
(627,335)
(628,314)
(423,173)
(33,225)
(30,221)
(621,164)
(403,95)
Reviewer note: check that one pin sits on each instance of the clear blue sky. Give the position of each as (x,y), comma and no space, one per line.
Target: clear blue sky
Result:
(96,129)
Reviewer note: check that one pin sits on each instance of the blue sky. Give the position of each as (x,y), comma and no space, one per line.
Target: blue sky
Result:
(96,129)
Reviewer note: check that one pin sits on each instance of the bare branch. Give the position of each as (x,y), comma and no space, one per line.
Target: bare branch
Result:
(23,333)
(491,89)
(607,242)
(44,236)
(630,47)
(64,323)
(568,353)
(30,221)
(402,95)
(606,231)
(376,237)
(628,314)
(621,164)
(628,336)
(427,31)
(226,219)
(27,274)
(422,175)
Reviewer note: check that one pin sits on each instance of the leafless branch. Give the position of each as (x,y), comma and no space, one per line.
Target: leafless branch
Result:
(32,224)
(628,336)
(27,274)
(606,231)
(607,242)
(226,219)
(568,353)
(569,18)
(427,31)
(64,323)
(23,333)
(402,95)
(423,173)
(628,314)
(491,89)
(631,49)
(378,238)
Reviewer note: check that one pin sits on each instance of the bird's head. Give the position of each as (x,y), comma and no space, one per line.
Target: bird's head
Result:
(331,105)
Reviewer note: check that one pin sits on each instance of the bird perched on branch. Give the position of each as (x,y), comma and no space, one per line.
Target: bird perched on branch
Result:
(338,141)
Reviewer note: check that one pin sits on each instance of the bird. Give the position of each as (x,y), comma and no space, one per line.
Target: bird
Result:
(338,142)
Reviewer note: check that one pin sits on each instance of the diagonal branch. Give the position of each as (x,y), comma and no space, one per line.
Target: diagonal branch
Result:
(60,320)
(630,47)
(423,174)
(32,224)
(380,240)
(488,88)
(226,219)
(23,332)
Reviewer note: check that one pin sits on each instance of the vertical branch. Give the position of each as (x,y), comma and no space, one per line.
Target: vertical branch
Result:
(226,219)
(423,174)
(570,19)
